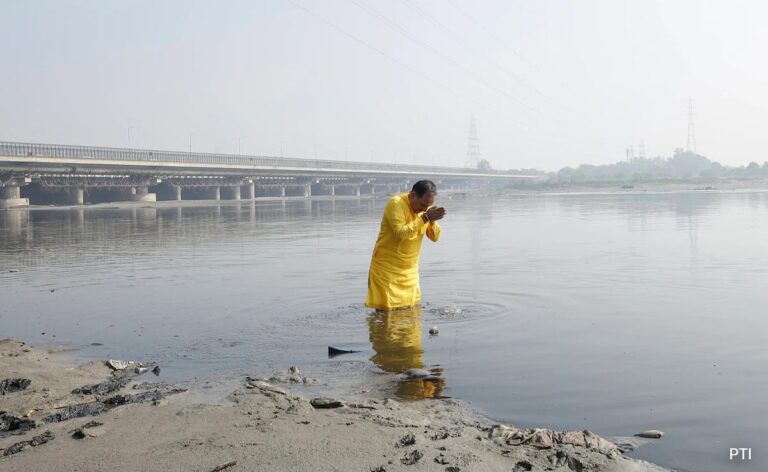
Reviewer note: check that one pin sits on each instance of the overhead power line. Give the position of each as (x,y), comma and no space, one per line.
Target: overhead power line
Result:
(458,38)
(426,45)
(561,84)
(399,62)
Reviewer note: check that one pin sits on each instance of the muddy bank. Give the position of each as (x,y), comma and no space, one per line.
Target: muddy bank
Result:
(87,419)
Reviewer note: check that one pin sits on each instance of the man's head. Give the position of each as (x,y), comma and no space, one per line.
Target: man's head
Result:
(422,195)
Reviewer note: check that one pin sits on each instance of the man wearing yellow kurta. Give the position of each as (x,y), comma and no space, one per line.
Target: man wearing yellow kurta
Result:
(393,279)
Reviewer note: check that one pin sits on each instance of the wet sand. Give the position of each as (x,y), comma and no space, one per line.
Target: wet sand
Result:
(260,425)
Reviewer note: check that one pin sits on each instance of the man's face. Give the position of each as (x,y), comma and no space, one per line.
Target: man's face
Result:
(419,204)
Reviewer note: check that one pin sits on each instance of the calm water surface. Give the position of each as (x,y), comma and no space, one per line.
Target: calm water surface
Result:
(617,313)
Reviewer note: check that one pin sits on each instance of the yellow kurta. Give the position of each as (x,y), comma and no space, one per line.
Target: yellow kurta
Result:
(393,279)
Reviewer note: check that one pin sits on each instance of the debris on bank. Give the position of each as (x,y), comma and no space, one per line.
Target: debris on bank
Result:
(34,442)
(13,385)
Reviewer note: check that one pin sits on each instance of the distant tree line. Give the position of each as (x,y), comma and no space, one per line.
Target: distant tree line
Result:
(683,165)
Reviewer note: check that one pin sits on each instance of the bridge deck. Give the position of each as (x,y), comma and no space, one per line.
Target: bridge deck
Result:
(57,157)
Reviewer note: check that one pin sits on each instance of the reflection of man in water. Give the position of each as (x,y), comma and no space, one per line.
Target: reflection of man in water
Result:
(396,339)
(393,279)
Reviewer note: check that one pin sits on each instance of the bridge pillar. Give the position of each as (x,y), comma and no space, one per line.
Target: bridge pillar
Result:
(177,192)
(282,192)
(232,193)
(214,193)
(332,190)
(74,196)
(10,196)
(141,194)
(357,191)
(250,191)
(307,190)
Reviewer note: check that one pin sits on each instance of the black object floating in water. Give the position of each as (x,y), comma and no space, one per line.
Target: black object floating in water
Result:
(333,351)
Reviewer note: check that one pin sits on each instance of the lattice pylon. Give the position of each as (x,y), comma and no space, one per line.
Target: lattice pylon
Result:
(473,145)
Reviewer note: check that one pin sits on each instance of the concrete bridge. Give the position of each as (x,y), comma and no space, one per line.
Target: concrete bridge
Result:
(64,174)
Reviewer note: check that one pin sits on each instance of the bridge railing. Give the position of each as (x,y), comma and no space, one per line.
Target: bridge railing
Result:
(63,151)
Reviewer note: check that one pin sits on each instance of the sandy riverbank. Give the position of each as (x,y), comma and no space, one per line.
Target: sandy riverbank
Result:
(261,425)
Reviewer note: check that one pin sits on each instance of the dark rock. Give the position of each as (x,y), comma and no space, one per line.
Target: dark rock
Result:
(407,440)
(34,442)
(411,457)
(76,411)
(452,468)
(11,425)
(92,424)
(88,430)
(151,386)
(324,402)
(13,385)
(95,408)
(143,397)
(442,459)
(380,468)
(81,433)
(523,466)
(156,370)
(101,388)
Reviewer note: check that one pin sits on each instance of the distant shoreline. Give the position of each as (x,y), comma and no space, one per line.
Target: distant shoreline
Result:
(697,185)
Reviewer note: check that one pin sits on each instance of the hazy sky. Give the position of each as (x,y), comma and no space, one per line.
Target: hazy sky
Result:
(551,83)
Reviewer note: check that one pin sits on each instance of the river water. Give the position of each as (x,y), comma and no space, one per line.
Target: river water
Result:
(612,312)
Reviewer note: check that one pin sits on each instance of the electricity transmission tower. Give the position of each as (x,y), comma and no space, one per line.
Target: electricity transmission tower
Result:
(691,143)
(473,145)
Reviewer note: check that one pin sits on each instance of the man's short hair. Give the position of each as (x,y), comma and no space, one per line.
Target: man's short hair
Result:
(424,186)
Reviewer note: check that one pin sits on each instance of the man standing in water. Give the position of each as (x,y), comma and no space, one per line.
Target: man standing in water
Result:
(393,279)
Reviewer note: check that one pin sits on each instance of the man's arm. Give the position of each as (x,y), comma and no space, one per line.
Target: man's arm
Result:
(432,215)
(396,218)
(433,231)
